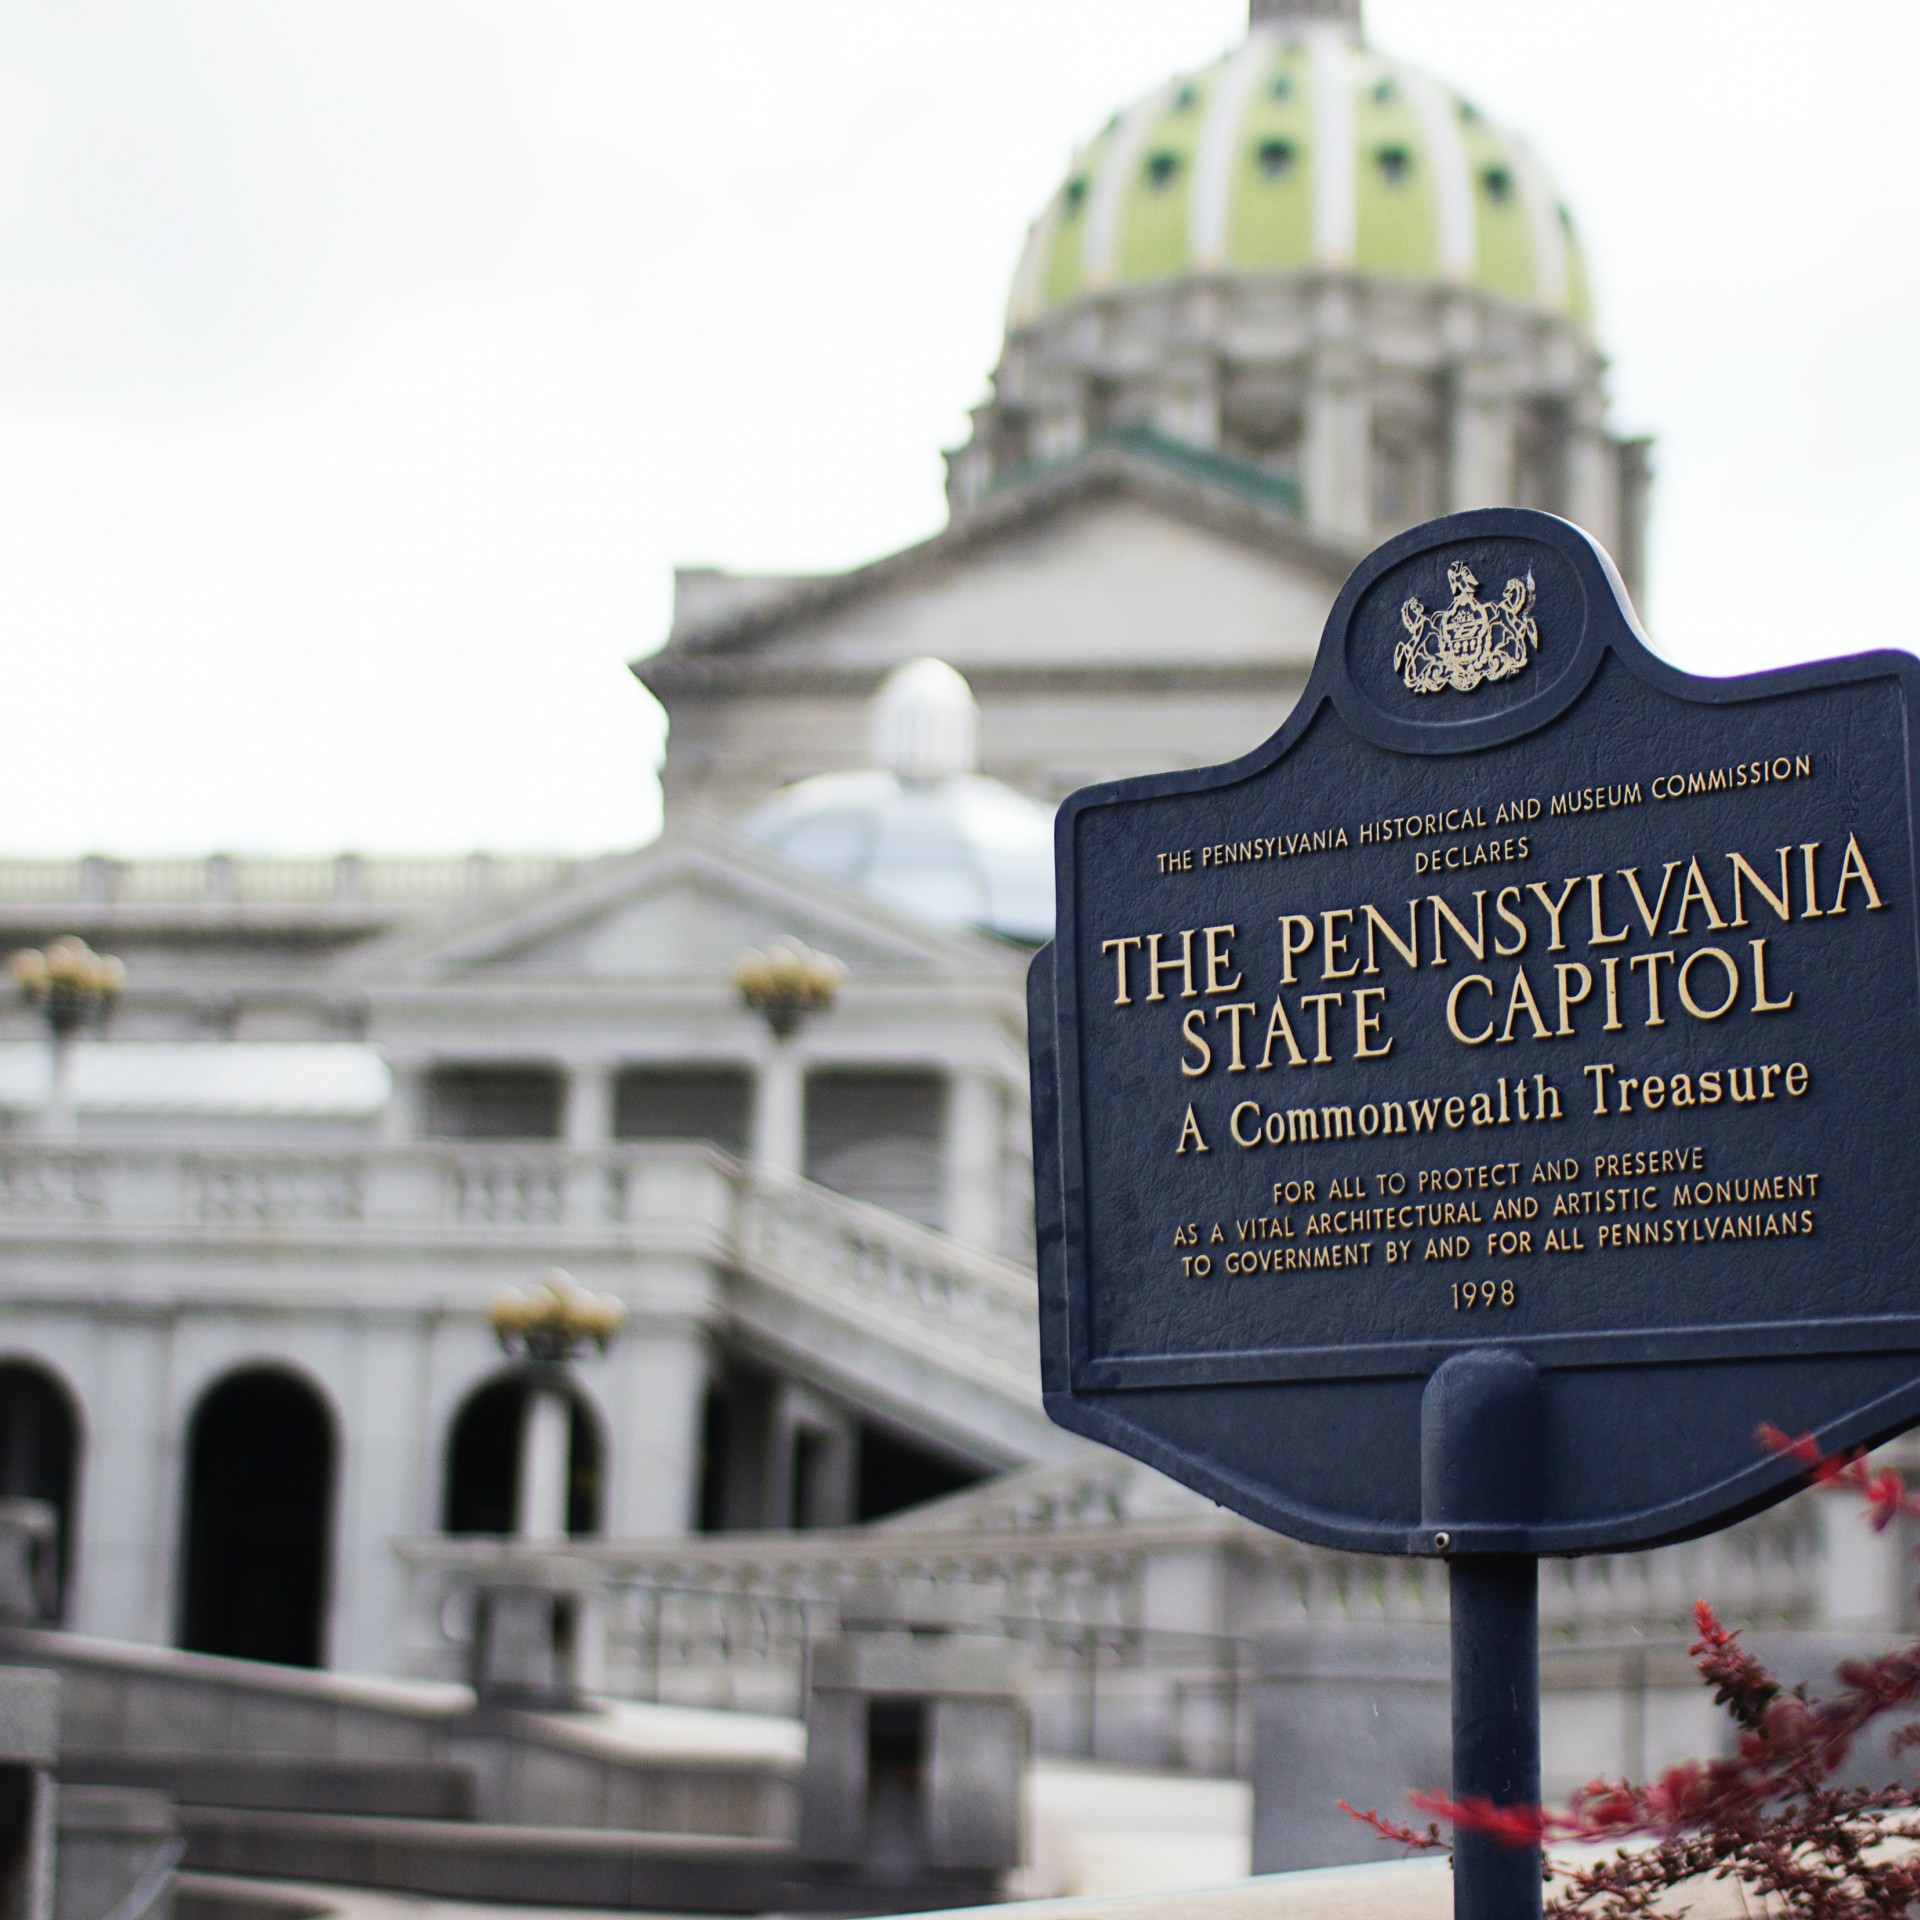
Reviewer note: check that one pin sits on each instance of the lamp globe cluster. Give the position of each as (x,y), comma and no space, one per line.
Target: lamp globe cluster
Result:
(558,1320)
(72,986)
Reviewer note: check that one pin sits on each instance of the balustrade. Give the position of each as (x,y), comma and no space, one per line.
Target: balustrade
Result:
(882,1273)
(730,1620)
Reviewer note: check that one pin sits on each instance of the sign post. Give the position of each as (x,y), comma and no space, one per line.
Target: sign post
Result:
(1462,1121)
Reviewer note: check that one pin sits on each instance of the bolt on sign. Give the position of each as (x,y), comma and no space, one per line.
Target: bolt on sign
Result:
(1522,995)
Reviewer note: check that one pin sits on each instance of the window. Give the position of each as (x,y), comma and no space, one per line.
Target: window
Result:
(1183,101)
(877,1136)
(684,1103)
(1395,164)
(1276,159)
(494,1103)
(1282,88)
(1076,194)
(1162,170)
(1498,183)
(1383,94)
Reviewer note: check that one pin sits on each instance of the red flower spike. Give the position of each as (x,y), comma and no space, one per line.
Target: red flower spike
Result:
(1396,1831)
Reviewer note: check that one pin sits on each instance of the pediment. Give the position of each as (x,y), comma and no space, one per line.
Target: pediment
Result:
(1107,582)
(683,911)
(1120,560)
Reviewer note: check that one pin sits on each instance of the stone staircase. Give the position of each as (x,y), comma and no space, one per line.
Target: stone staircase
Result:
(283,1775)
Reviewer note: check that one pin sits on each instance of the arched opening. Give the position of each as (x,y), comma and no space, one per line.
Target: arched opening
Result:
(39,1454)
(483,1461)
(260,1461)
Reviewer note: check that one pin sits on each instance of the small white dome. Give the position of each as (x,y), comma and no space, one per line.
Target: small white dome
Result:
(966,851)
(926,723)
(922,830)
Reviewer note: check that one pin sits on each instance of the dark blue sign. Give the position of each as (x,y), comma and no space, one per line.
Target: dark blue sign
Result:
(1521,993)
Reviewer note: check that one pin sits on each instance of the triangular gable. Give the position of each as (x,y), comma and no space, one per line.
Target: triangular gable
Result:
(1165,552)
(684,909)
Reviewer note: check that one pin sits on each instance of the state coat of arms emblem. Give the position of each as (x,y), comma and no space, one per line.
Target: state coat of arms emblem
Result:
(1470,641)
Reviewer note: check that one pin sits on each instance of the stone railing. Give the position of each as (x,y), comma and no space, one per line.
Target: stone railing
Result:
(807,1240)
(866,1265)
(215,880)
(730,1620)
(170,1190)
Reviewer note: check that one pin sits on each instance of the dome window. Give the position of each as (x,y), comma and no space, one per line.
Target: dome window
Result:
(1383,94)
(1469,113)
(1276,158)
(1076,194)
(1498,183)
(1395,164)
(1163,169)
(1282,88)
(1183,101)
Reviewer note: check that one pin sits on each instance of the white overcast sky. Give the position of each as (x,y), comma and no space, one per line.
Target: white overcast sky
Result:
(366,366)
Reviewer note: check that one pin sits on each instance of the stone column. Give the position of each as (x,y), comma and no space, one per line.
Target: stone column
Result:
(1335,468)
(382,1489)
(406,1114)
(655,1402)
(546,1435)
(779,1111)
(589,1115)
(973,1157)
(122,1558)
(1482,434)
(1593,483)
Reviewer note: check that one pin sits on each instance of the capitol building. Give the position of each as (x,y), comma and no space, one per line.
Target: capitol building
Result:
(1279,308)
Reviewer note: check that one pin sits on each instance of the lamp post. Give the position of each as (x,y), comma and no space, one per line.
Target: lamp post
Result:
(555,1324)
(784,983)
(73,988)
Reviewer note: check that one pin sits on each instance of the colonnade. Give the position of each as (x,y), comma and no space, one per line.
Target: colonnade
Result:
(983,1115)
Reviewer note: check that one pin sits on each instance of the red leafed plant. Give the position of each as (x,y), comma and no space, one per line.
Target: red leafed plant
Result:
(1768,1818)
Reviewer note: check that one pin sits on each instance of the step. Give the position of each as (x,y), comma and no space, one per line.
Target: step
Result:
(469,1860)
(285,1783)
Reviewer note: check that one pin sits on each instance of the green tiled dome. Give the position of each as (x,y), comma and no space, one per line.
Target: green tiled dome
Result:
(1304,150)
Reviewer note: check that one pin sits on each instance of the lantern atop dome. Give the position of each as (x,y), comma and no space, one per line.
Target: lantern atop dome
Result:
(1297,10)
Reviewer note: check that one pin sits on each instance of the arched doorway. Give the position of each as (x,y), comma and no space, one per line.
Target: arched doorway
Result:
(483,1462)
(39,1454)
(260,1458)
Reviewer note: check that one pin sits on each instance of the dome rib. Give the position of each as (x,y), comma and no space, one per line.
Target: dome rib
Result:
(1210,218)
(1107,202)
(1336,203)
(1549,237)
(1452,177)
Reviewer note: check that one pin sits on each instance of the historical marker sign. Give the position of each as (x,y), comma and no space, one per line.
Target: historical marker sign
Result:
(1521,992)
